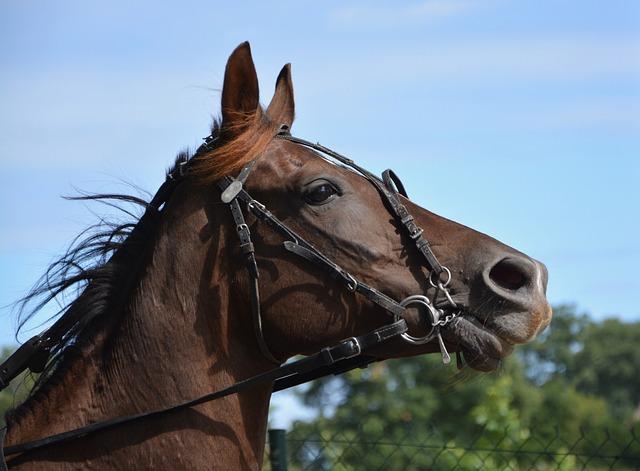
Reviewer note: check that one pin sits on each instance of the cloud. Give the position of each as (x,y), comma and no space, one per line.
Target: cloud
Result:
(394,15)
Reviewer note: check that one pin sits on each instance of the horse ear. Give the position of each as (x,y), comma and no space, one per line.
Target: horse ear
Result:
(240,95)
(282,106)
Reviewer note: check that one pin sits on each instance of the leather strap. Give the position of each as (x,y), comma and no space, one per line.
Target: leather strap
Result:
(232,192)
(393,182)
(19,360)
(352,284)
(248,252)
(244,234)
(3,463)
(332,268)
(257,322)
(367,341)
(388,195)
(298,245)
(338,358)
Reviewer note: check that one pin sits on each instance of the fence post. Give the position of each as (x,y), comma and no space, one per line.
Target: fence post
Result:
(278,449)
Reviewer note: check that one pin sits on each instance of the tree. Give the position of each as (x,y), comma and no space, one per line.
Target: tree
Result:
(555,403)
(17,390)
(597,358)
(608,365)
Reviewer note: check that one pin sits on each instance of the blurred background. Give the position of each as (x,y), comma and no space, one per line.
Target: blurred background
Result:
(519,119)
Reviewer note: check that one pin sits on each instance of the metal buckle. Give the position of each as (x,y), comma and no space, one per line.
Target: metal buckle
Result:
(416,234)
(283,130)
(182,168)
(352,284)
(207,143)
(356,345)
(255,204)
(179,171)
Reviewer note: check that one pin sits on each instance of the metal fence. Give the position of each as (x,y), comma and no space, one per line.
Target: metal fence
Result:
(545,450)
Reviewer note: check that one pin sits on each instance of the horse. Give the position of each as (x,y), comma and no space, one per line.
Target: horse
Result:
(168,306)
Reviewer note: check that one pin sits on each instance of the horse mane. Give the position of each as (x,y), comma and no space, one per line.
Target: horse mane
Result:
(92,281)
(240,143)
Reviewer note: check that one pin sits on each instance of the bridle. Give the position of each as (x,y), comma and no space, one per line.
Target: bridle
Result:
(389,187)
(336,359)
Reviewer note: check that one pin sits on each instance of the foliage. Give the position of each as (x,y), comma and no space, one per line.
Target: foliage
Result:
(597,358)
(17,390)
(556,405)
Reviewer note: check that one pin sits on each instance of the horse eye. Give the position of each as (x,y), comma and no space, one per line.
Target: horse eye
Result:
(320,193)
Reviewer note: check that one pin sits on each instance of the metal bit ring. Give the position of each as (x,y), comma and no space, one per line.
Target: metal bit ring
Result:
(439,282)
(433,322)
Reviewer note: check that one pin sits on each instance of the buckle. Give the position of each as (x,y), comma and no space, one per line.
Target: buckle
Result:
(355,345)
(416,234)
(207,143)
(256,204)
(179,171)
(283,130)
(352,283)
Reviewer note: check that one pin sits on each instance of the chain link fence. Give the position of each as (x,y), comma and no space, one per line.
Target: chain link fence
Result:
(309,448)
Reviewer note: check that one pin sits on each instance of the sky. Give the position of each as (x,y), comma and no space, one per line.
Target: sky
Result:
(518,118)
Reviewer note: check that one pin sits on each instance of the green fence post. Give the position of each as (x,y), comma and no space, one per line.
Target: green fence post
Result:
(278,449)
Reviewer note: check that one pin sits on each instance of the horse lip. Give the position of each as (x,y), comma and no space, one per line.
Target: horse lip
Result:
(482,347)
(483,325)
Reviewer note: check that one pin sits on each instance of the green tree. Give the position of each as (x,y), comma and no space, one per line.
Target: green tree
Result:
(434,412)
(551,403)
(608,365)
(6,396)
(17,390)
(597,358)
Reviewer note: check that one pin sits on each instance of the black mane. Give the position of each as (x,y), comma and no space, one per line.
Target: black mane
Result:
(91,281)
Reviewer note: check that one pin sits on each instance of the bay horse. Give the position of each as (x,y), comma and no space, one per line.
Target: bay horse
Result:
(169,309)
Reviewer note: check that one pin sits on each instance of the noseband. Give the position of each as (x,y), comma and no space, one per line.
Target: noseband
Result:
(344,356)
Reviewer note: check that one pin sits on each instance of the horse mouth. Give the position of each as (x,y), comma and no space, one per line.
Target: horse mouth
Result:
(482,348)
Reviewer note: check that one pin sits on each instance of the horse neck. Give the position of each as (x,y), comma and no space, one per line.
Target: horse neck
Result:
(183,332)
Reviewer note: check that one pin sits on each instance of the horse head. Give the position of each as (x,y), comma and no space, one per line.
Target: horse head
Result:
(495,293)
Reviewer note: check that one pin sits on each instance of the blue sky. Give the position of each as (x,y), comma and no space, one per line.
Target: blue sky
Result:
(520,119)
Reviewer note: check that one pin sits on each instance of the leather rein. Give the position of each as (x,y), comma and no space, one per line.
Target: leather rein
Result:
(344,356)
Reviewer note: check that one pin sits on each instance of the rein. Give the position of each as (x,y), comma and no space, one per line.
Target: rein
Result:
(337,359)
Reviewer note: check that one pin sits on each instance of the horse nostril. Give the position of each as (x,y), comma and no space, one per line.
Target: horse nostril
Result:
(509,274)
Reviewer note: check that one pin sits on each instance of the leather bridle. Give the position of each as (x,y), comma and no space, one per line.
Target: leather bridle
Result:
(344,356)
(389,188)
